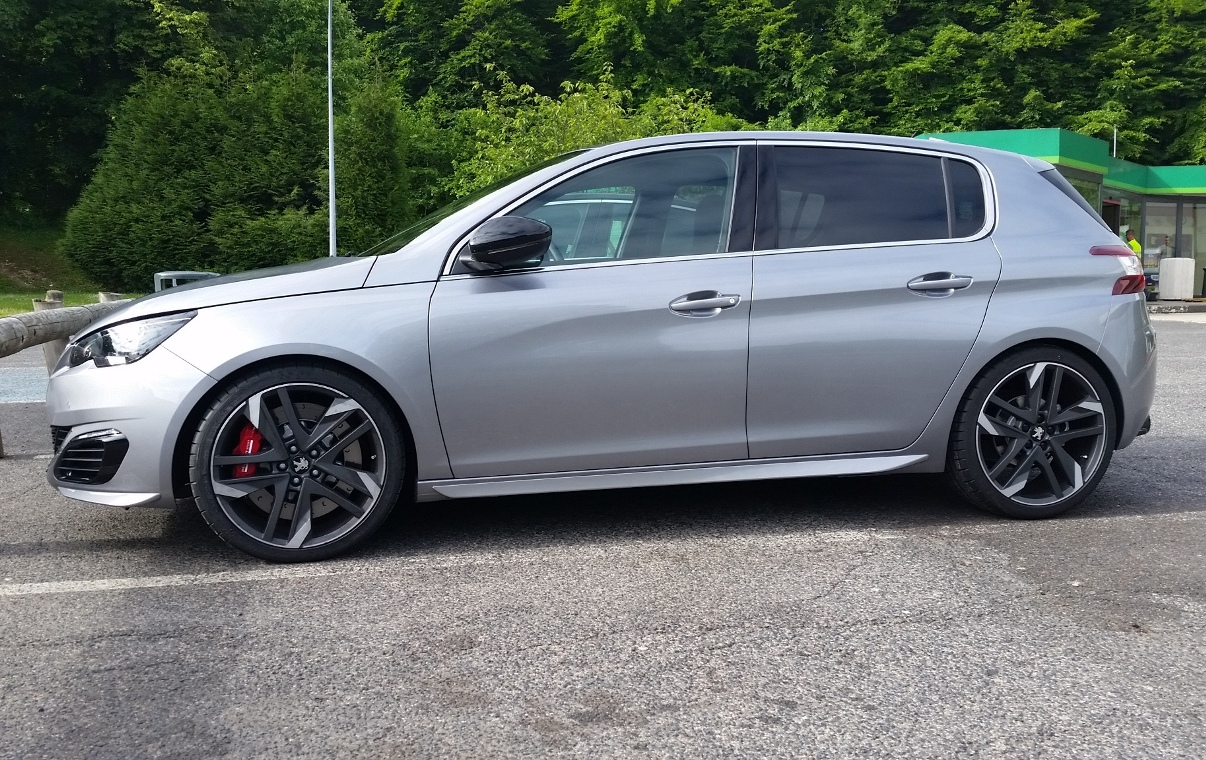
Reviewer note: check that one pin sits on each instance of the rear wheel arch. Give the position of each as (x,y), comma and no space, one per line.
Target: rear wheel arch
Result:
(1032,434)
(1079,350)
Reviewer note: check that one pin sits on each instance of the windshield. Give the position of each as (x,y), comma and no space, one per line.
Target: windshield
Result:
(398,240)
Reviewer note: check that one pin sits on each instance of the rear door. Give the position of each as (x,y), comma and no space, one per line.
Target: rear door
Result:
(868,294)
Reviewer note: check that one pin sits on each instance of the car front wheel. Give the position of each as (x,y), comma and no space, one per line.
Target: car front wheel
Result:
(297,463)
(1034,434)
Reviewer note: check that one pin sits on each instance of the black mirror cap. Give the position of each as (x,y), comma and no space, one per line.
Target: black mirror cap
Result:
(507,242)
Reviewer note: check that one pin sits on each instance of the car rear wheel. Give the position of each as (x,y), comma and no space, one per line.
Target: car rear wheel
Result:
(297,463)
(1034,434)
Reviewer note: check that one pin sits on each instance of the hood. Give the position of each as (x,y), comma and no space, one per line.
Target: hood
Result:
(317,276)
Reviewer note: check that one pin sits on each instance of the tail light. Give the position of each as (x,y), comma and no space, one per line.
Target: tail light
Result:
(250,441)
(1129,283)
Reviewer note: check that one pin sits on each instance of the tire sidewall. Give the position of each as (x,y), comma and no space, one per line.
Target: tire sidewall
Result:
(231,399)
(963,460)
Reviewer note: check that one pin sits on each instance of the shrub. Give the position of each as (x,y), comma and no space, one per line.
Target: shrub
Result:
(219,163)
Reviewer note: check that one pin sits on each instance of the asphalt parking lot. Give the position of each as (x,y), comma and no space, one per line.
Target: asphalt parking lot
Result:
(831,618)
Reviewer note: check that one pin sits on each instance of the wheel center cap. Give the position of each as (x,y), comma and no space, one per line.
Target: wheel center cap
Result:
(1039,434)
(300,464)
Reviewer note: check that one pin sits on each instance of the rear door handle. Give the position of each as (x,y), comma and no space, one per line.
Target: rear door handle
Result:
(939,283)
(703,303)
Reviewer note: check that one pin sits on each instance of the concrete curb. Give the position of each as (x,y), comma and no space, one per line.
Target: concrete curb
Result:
(1175,307)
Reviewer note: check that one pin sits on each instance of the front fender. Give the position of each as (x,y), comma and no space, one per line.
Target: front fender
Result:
(380,332)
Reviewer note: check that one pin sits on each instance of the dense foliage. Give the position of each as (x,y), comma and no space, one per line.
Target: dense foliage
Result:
(211,113)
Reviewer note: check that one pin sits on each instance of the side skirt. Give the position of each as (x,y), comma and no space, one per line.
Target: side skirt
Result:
(670,475)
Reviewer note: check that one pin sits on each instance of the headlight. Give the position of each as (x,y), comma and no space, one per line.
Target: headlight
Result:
(123,343)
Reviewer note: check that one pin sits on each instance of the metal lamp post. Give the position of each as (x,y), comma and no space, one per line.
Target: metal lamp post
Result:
(331,124)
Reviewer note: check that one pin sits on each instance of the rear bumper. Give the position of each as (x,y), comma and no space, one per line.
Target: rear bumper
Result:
(1129,350)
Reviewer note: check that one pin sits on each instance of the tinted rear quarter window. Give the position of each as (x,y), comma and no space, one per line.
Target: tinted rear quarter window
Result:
(850,196)
(967,198)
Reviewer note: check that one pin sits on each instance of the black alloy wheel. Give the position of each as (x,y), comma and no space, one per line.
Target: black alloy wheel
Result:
(297,463)
(1033,435)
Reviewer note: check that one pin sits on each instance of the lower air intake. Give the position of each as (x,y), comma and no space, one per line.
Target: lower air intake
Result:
(91,458)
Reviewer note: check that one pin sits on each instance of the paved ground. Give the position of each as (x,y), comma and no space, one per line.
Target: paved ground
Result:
(832,618)
(23,377)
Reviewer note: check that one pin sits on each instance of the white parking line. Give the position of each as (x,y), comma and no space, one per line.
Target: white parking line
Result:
(596,552)
(161,581)
(280,573)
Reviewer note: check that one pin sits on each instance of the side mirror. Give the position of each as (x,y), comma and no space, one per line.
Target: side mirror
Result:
(507,242)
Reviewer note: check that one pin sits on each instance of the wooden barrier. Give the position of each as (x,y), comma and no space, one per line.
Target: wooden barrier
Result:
(52,322)
(51,349)
(50,325)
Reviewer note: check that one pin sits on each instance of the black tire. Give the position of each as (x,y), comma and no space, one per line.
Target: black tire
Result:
(1033,435)
(304,497)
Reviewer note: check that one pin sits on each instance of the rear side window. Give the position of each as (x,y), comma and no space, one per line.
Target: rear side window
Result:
(967,198)
(847,196)
(1065,187)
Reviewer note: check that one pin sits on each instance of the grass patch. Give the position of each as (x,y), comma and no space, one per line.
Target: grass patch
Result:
(20,303)
(30,263)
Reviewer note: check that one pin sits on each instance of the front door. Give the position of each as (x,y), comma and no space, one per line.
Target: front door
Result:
(627,347)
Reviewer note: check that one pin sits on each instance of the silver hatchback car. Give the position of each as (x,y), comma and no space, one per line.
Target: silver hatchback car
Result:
(687,309)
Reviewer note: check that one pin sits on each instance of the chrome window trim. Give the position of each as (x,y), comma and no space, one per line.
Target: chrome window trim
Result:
(987,186)
(727,255)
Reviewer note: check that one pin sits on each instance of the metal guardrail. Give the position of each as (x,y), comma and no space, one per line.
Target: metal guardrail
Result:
(50,325)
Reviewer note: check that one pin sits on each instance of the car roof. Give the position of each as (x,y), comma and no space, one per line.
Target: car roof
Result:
(972,151)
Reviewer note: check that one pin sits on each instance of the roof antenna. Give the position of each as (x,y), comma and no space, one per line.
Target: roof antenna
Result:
(330,128)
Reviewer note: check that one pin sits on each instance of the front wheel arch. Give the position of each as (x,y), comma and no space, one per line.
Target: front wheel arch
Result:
(184,438)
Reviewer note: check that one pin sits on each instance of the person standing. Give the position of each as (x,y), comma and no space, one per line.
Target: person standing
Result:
(1133,243)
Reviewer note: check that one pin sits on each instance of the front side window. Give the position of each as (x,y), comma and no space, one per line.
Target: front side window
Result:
(676,203)
(851,196)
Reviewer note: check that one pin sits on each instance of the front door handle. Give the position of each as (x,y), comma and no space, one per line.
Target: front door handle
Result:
(938,283)
(703,303)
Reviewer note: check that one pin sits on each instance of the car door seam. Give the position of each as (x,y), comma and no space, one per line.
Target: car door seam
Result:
(435,399)
(749,321)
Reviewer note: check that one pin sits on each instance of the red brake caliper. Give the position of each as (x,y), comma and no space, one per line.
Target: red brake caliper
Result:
(249,443)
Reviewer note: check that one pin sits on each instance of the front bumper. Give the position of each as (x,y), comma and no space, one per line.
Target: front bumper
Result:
(145,402)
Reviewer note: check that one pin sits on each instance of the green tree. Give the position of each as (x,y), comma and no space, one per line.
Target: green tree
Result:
(742,52)
(988,67)
(218,162)
(1149,67)
(519,127)
(65,64)
(454,48)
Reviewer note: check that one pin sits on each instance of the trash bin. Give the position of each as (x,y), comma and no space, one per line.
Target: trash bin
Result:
(1176,279)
